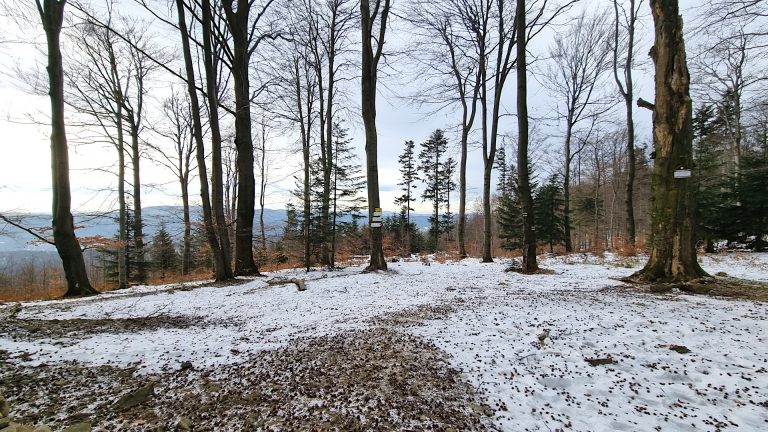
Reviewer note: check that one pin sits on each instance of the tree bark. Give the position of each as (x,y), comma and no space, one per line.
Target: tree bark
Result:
(138,225)
(567,187)
(627,92)
(673,243)
(238,22)
(370,61)
(217,181)
(529,235)
(67,245)
(220,267)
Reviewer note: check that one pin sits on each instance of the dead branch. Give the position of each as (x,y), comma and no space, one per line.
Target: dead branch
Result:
(642,103)
(281,281)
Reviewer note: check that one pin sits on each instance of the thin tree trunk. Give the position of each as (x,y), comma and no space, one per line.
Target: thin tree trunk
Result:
(673,248)
(67,245)
(567,187)
(628,94)
(529,235)
(217,182)
(138,224)
(220,266)
(186,250)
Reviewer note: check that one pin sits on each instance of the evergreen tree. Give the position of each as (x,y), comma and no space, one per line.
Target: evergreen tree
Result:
(435,170)
(754,184)
(347,186)
(503,168)
(446,219)
(163,252)
(548,207)
(408,176)
(509,213)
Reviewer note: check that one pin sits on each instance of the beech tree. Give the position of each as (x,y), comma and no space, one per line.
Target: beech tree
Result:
(52,15)
(626,18)
(373,27)
(673,243)
(580,57)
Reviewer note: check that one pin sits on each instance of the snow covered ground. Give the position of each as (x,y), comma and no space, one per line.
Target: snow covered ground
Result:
(669,362)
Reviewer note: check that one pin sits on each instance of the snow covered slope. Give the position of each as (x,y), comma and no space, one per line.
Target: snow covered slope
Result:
(656,362)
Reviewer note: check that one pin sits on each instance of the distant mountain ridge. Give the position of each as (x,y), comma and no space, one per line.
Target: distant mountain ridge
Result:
(106,225)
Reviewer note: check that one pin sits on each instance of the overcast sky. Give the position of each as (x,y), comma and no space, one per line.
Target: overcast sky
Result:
(25,156)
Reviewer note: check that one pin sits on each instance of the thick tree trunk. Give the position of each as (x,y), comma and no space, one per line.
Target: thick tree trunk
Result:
(368,93)
(673,248)
(529,235)
(238,21)
(52,14)
(220,267)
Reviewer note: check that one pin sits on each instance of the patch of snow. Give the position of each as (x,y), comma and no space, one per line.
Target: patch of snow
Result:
(494,337)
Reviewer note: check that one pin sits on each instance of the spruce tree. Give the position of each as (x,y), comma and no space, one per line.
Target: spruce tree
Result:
(548,205)
(163,252)
(408,178)
(509,212)
(347,186)
(434,170)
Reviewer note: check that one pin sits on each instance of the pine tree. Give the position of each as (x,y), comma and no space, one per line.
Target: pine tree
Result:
(548,207)
(163,252)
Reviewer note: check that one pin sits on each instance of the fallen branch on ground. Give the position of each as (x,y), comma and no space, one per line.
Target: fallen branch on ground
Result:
(280,281)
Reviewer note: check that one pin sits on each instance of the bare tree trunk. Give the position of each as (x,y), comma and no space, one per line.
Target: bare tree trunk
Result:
(263,185)
(217,182)
(238,22)
(221,268)
(370,61)
(138,225)
(673,248)
(52,15)
(186,250)
(529,235)
(567,188)
(626,90)
(122,249)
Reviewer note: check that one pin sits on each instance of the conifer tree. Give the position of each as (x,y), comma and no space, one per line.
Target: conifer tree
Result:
(347,186)
(509,213)
(163,252)
(548,207)
(409,177)
(434,170)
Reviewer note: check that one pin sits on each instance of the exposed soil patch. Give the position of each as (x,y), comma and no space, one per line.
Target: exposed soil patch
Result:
(376,379)
(33,329)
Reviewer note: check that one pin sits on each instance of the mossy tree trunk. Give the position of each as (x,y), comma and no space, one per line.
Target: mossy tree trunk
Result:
(673,243)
